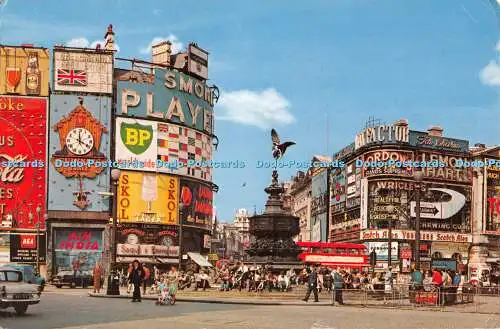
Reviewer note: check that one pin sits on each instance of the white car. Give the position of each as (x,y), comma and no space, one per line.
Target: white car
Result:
(15,293)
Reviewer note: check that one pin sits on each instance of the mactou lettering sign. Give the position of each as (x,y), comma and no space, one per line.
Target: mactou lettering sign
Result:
(333,259)
(396,133)
(410,235)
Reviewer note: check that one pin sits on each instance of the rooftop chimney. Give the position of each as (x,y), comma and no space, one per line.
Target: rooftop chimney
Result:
(435,131)
(480,146)
(161,53)
(27,45)
(401,122)
(109,38)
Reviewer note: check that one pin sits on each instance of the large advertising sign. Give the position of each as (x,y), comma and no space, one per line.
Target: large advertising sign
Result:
(424,140)
(77,249)
(87,71)
(148,198)
(22,158)
(198,204)
(78,144)
(383,134)
(145,145)
(345,152)
(493,200)
(386,156)
(136,144)
(337,190)
(24,71)
(442,207)
(23,248)
(382,250)
(319,193)
(173,96)
(450,169)
(353,185)
(398,234)
(147,241)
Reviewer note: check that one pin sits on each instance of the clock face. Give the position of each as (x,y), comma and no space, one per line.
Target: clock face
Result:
(167,241)
(132,239)
(79,141)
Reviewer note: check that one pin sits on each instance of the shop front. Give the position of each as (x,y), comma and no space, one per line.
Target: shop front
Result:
(154,245)
(76,249)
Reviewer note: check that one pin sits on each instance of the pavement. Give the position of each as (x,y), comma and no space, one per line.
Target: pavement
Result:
(74,309)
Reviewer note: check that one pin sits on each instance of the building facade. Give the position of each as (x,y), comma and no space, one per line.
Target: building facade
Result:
(163,123)
(368,200)
(300,191)
(241,222)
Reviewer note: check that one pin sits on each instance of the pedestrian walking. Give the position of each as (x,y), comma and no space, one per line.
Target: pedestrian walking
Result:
(338,285)
(136,279)
(312,286)
(147,277)
(388,282)
(97,276)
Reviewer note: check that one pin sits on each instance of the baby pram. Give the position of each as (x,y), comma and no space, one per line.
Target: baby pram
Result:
(166,295)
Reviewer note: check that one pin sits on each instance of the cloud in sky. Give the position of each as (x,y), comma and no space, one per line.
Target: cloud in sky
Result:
(176,44)
(82,42)
(490,74)
(262,109)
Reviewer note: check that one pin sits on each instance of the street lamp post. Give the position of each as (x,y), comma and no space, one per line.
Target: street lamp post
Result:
(38,211)
(390,209)
(113,285)
(418,186)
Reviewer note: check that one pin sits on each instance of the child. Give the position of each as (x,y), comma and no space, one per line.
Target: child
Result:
(163,289)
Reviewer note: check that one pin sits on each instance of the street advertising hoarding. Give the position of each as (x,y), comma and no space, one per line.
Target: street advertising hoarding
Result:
(409,235)
(83,71)
(198,204)
(148,241)
(424,140)
(136,144)
(146,145)
(148,198)
(76,170)
(396,133)
(173,96)
(316,232)
(442,207)
(451,167)
(337,190)
(493,200)
(23,248)
(22,157)
(24,71)
(382,250)
(353,185)
(385,156)
(77,249)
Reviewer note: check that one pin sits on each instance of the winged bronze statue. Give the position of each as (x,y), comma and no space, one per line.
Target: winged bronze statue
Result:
(279,148)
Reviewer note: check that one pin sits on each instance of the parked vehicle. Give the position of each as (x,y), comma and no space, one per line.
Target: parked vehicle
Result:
(14,292)
(29,275)
(68,278)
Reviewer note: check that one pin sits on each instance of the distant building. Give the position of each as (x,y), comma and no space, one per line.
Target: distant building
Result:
(300,194)
(242,223)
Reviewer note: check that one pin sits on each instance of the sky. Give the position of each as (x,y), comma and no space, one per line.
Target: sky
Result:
(314,70)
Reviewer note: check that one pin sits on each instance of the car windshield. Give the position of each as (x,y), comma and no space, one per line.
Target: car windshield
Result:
(10,276)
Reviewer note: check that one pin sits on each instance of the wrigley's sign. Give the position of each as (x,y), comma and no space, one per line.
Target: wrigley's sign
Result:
(410,235)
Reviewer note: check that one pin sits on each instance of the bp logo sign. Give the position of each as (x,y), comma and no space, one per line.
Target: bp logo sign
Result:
(137,138)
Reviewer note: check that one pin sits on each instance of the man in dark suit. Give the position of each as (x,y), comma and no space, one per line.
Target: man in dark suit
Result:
(137,276)
(312,285)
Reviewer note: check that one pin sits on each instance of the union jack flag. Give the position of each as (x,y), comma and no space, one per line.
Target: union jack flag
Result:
(71,77)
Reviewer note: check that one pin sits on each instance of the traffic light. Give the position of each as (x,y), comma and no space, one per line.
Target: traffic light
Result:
(373,258)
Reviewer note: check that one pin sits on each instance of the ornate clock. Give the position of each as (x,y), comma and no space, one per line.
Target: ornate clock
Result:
(79,141)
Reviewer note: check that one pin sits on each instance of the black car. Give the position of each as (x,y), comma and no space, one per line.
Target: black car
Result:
(68,278)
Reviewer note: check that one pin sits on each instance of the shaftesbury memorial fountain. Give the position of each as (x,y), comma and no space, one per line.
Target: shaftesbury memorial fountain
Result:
(273,231)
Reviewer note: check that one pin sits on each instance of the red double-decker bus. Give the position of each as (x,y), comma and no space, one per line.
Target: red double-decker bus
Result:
(344,255)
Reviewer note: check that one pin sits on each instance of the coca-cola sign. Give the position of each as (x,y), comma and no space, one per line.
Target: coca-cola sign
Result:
(22,158)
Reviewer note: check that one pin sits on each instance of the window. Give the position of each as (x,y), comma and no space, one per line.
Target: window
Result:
(10,276)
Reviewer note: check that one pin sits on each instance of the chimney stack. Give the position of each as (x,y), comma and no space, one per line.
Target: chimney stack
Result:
(436,131)
(161,53)
(401,122)
(480,146)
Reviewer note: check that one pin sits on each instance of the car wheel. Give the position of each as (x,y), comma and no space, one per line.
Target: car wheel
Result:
(21,309)
(72,285)
(58,286)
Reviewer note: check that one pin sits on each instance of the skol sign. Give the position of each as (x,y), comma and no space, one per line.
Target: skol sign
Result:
(136,144)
